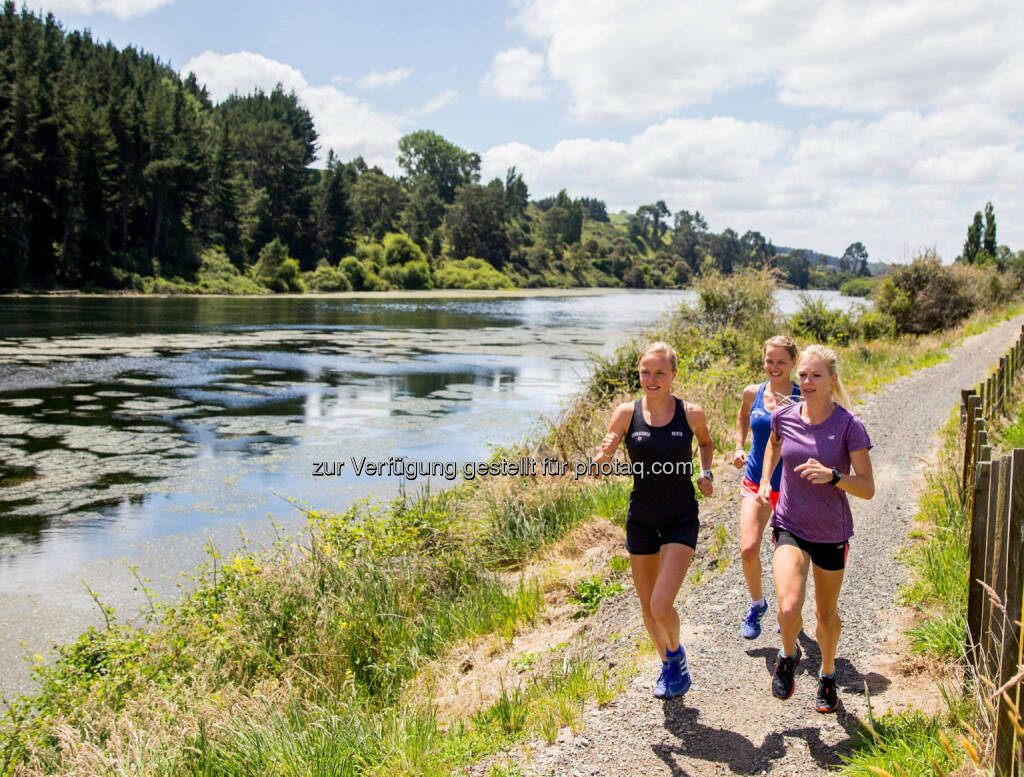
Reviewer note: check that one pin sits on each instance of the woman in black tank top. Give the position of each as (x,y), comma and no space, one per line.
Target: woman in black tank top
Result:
(662,524)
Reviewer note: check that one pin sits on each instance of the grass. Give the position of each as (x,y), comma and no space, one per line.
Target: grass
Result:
(299,661)
(913,743)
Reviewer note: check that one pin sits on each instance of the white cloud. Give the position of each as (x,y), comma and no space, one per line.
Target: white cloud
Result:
(345,123)
(516,74)
(638,59)
(122,9)
(436,103)
(905,180)
(375,80)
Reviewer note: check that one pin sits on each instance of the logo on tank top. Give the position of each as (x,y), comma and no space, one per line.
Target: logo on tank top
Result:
(640,434)
(677,434)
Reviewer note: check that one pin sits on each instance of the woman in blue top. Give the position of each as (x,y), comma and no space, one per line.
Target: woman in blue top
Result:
(755,415)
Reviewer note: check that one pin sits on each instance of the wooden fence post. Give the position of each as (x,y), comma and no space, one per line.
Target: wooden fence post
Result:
(1007,704)
(1001,381)
(979,531)
(972,403)
(988,658)
(997,578)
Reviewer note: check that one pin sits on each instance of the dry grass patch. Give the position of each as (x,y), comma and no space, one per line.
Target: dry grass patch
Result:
(472,675)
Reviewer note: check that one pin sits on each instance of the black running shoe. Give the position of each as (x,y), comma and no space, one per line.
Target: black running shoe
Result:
(828,699)
(782,682)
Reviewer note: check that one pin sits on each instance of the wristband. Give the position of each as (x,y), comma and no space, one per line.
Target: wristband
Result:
(836,474)
(706,473)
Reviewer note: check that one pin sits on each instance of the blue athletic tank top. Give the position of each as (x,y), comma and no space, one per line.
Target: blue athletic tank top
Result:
(761,429)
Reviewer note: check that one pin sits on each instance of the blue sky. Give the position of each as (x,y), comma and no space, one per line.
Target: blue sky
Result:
(815,123)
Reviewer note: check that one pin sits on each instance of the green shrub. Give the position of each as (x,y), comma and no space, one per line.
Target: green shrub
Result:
(414,275)
(218,275)
(817,322)
(471,273)
(875,325)
(398,249)
(327,278)
(371,254)
(361,275)
(276,270)
(860,287)
(924,296)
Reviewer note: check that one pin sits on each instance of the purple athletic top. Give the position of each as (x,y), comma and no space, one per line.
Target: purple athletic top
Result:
(816,512)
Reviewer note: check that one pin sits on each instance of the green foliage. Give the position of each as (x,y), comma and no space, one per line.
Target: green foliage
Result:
(815,321)
(906,744)
(217,275)
(398,249)
(327,278)
(361,275)
(471,273)
(427,154)
(413,275)
(924,296)
(589,593)
(860,287)
(276,270)
(874,325)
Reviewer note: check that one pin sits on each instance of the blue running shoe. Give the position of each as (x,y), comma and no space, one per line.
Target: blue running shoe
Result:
(751,628)
(661,684)
(679,680)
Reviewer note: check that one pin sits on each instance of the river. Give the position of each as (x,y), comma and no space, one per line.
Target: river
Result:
(133,431)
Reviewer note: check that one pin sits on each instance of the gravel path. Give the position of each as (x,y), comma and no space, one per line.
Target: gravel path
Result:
(729,723)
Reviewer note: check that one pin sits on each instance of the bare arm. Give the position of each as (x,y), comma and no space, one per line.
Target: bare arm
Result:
(772,454)
(861,483)
(739,458)
(698,422)
(617,427)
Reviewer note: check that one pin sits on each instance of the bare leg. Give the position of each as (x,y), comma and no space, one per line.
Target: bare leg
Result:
(753,518)
(658,578)
(826,599)
(790,565)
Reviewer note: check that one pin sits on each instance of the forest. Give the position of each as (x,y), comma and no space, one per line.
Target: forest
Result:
(118,174)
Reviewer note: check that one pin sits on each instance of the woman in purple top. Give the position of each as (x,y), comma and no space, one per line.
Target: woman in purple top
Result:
(818,441)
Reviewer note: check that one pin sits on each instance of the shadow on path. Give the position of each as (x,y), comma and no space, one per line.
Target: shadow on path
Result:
(740,754)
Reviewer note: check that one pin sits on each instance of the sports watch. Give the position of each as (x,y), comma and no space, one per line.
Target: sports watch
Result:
(836,474)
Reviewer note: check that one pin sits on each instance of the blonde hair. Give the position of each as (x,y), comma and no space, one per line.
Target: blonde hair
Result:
(828,356)
(659,347)
(781,341)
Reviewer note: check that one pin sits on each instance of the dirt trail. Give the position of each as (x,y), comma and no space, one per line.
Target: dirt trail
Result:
(729,723)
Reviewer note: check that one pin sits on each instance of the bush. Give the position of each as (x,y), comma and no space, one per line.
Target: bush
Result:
(371,254)
(276,270)
(414,275)
(361,275)
(924,296)
(860,287)
(875,325)
(739,301)
(471,273)
(327,278)
(398,249)
(817,322)
(218,275)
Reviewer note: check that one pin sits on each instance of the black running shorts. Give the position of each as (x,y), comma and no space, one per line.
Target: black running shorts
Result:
(830,556)
(642,540)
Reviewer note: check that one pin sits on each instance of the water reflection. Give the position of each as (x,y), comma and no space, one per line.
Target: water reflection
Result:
(173,414)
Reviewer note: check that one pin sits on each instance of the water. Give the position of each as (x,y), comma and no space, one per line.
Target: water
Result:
(137,428)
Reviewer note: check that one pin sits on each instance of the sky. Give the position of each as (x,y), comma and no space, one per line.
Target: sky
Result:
(815,122)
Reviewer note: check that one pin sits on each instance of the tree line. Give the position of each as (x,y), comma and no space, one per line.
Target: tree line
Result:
(116,172)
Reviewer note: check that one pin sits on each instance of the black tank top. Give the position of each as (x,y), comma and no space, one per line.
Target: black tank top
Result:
(660,499)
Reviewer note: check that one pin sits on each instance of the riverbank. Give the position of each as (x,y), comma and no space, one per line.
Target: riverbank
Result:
(513,522)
